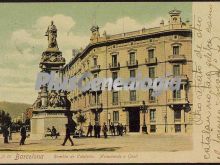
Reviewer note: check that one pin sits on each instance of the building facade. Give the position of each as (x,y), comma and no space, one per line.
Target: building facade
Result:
(155,52)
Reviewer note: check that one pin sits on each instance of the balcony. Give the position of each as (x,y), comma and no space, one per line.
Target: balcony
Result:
(176,58)
(94,105)
(132,63)
(131,103)
(114,65)
(177,120)
(115,103)
(178,101)
(155,101)
(95,68)
(151,61)
(184,77)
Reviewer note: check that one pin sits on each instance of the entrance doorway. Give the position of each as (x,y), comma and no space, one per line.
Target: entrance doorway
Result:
(134,119)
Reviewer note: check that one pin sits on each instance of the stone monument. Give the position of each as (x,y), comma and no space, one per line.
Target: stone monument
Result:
(52,108)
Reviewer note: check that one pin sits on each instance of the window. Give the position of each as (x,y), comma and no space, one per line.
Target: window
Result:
(132,58)
(176,70)
(132,73)
(115,116)
(114,60)
(176,94)
(115,98)
(177,114)
(177,128)
(151,98)
(151,53)
(95,75)
(151,72)
(114,75)
(93,98)
(132,95)
(176,50)
(152,128)
(95,61)
(152,114)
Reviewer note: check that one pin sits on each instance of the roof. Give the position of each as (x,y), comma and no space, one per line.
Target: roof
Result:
(133,35)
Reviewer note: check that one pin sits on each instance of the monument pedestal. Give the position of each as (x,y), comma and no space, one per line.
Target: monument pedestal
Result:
(42,120)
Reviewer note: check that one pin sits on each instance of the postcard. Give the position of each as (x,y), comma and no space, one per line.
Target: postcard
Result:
(105,82)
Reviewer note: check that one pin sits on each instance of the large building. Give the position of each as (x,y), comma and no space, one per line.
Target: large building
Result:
(155,52)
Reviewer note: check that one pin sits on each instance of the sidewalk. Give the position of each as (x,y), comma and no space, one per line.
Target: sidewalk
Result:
(126,143)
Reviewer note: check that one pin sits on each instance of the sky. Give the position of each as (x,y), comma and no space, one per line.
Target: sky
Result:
(23,26)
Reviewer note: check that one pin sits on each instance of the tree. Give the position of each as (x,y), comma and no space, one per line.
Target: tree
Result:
(81,118)
(5,118)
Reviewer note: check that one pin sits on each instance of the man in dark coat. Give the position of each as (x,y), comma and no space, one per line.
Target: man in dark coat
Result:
(54,132)
(112,129)
(95,131)
(5,134)
(23,135)
(121,129)
(98,130)
(105,130)
(90,128)
(118,129)
(67,136)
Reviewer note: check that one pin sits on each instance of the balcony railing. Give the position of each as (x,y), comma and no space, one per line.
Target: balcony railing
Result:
(94,105)
(95,68)
(114,65)
(176,58)
(182,76)
(115,103)
(177,120)
(132,63)
(153,101)
(152,120)
(151,61)
(131,103)
(175,101)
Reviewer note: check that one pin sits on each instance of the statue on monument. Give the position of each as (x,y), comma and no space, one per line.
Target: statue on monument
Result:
(38,102)
(51,33)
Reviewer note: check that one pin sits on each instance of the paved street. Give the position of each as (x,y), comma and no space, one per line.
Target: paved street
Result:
(129,142)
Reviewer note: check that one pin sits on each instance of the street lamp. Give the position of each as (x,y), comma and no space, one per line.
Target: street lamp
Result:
(165,118)
(144,110)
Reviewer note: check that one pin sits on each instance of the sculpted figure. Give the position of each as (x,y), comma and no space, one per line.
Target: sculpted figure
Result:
(51,33)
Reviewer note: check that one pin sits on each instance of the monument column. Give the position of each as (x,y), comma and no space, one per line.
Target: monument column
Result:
(53,108)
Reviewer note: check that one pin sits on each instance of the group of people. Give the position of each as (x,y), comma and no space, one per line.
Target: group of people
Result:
(119,129)
(7,134)
(53,132)
(114,130)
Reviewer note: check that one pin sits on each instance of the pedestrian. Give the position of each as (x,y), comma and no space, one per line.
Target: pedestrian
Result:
(98,130)
(105,130)
(23,135)
(54,132)
(5,134)
(67,136)
(95,131)
(112,129)
(90,128)
(125,129)
(10,133)
(121,129)
(118,129)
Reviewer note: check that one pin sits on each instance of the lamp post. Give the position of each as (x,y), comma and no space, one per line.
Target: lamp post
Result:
(165,118)
(144,110)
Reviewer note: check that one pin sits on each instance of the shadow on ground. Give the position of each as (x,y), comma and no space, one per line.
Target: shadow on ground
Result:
(91,149)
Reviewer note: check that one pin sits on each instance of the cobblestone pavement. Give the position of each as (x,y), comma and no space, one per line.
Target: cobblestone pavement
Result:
(126,143)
